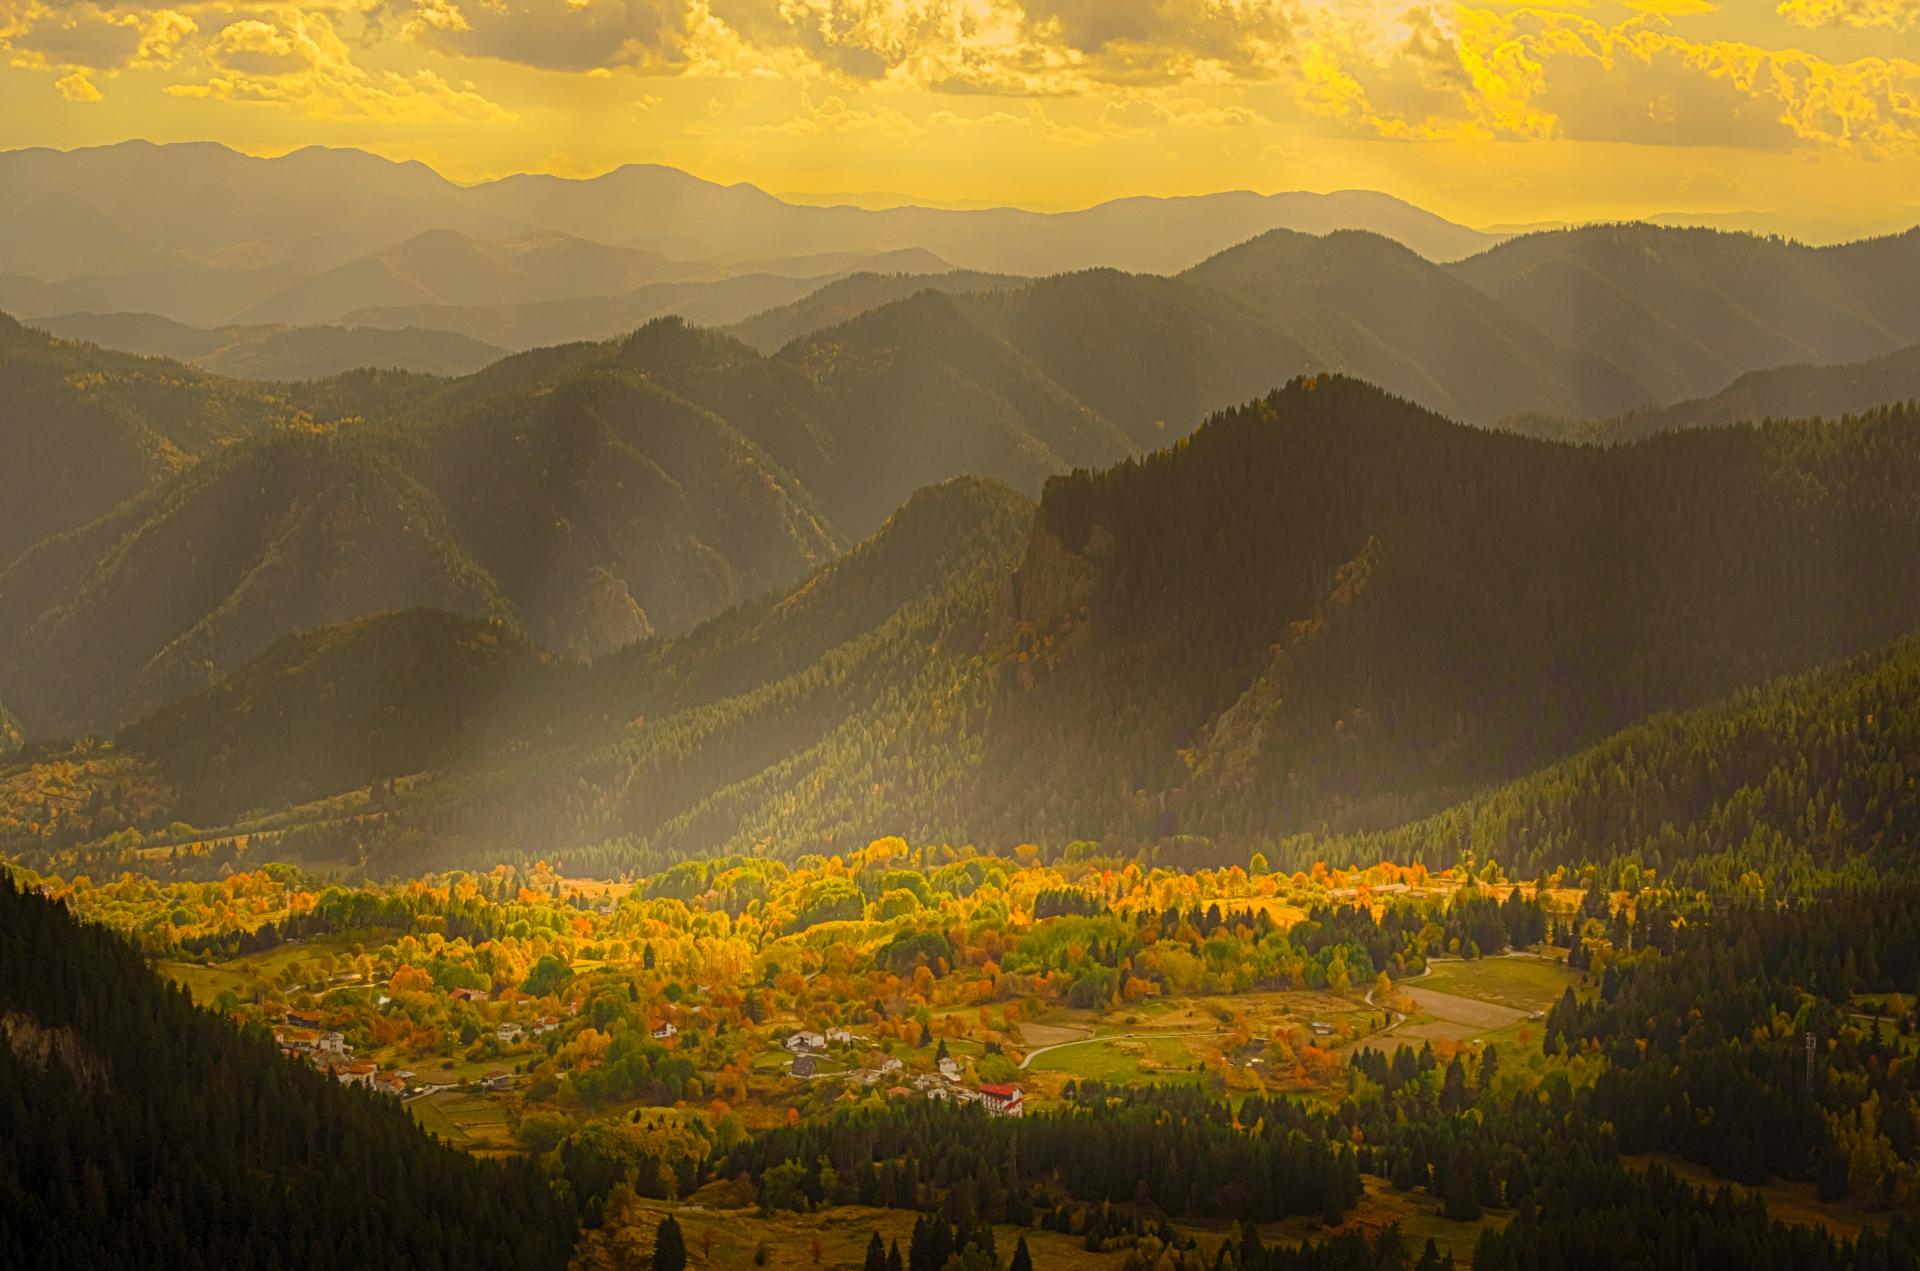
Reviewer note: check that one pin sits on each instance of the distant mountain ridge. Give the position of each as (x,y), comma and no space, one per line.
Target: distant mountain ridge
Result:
(278,352)
(202,234)
(1801,391)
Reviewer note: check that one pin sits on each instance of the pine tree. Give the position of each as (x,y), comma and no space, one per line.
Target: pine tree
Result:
(669,1248)
(1022,1260)
(876,1255)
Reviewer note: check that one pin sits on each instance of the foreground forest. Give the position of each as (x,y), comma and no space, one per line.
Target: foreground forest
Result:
(1383,1068)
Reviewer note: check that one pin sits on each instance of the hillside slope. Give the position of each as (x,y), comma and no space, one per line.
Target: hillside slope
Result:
(1799,778)
(141,1130)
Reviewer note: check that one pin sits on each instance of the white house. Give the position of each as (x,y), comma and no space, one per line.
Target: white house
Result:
(843,1037)
(664,1031)
(950,1069)
(802,1042)
(508,1032)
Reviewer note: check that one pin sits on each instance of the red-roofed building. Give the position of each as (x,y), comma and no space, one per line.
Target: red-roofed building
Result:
(1002,1100)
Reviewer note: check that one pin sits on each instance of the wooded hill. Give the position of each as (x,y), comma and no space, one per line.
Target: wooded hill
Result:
(137,1130)
(1801,781)
(1326,612)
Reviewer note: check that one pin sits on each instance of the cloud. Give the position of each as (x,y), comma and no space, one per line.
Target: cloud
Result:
(298,60)
(1536,74)
(76,87)
(1008,47)
(1894,14)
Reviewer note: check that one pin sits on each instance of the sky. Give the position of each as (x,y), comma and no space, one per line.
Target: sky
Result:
(1488,113)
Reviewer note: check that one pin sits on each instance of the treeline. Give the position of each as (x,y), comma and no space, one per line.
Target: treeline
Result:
(1708,1052)
(137,1130)
(1169,1146)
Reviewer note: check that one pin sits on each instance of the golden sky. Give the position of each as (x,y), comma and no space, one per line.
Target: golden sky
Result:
(1485,112)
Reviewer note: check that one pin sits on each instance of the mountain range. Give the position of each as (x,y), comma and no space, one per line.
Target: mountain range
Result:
(1131,659)
(592,494)
(207,236)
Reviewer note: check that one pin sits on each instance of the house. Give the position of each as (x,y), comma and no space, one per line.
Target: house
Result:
(803,1042)
(301,1019)
(331,1044)
(355,1072)
(498,1079)
(1321,1028)
(469,995)
(890,1064)
(950,1069)
(664,1031)
(1002,1100)
(546,1025)
(843,1037)
(297,1041)
(390,1083)
(804,1066)
(508,1032)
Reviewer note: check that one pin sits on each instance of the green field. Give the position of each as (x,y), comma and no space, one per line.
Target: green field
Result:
(1523,983)
(1125,1059)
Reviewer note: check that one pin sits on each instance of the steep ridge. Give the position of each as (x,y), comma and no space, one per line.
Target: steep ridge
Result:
(1333,609)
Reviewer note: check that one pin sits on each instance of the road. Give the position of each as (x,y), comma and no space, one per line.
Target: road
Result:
(1117,1037)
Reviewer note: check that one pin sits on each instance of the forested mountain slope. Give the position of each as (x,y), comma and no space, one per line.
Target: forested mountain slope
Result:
(137,1130)
(1688,310)
(82,428)
(588,512)
(343,707)
(1331,608)
(1326,612)
(1795,780)
(823,688)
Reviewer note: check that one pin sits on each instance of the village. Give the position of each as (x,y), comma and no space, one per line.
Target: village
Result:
(946,1084)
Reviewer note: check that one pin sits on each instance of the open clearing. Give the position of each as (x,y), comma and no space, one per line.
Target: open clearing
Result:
(1521,982)
(1465,1011)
